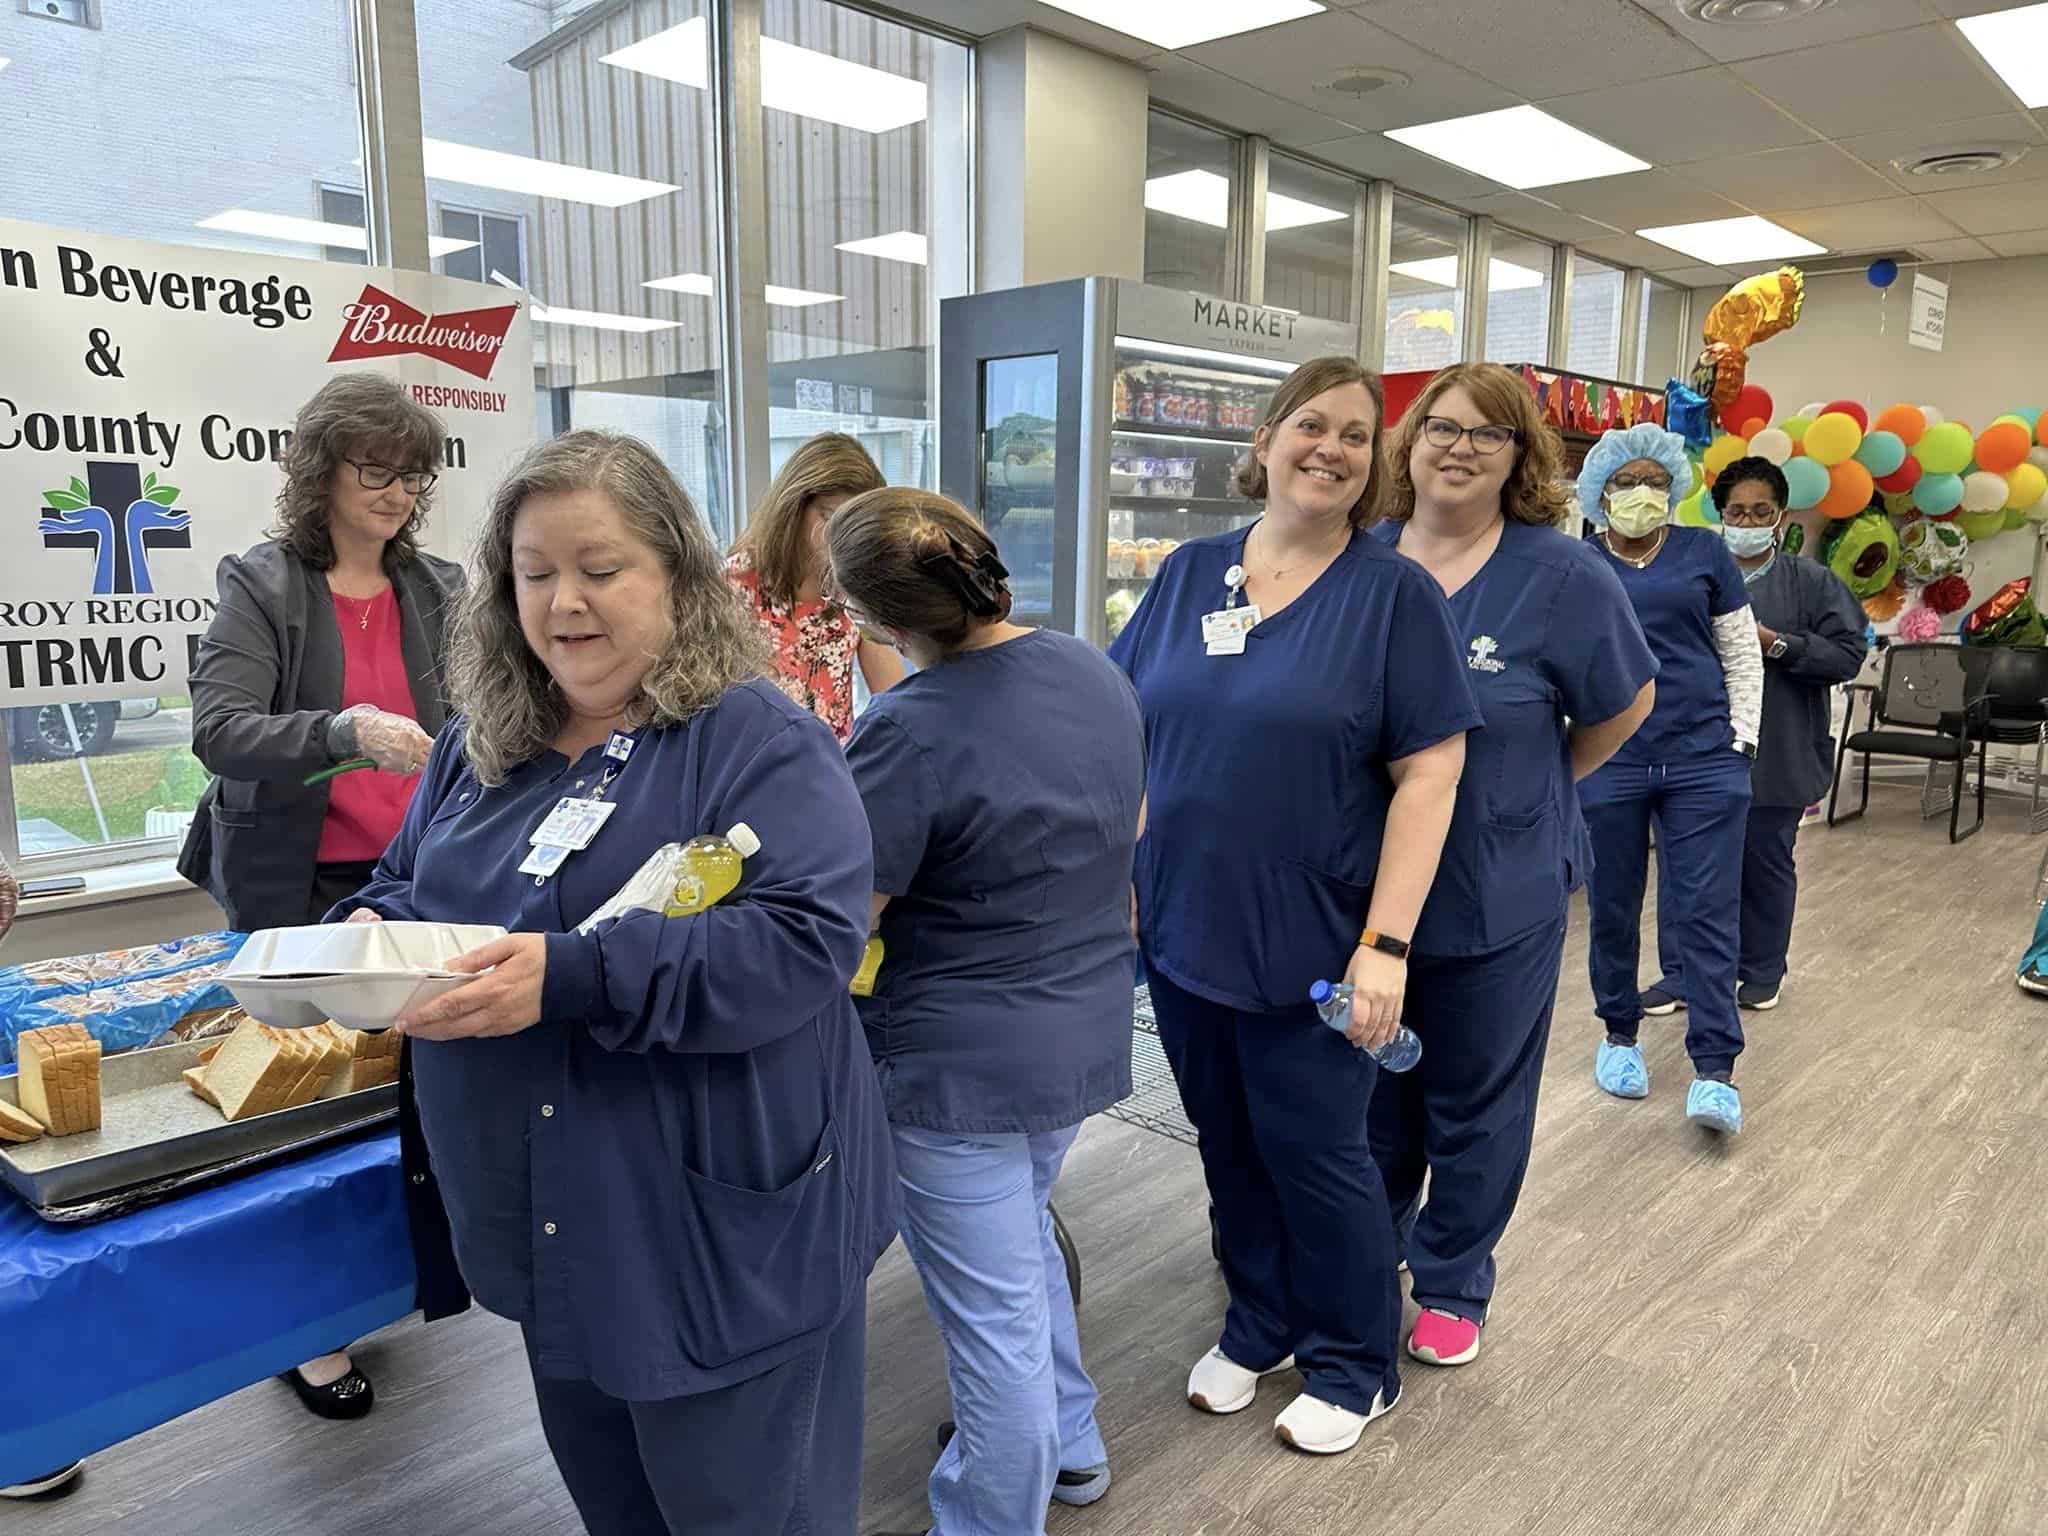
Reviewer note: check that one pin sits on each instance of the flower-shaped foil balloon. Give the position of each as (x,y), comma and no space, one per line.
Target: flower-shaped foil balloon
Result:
(1930,550)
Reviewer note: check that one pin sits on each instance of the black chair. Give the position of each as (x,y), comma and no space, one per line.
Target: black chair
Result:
(2017,681)
(1931,704)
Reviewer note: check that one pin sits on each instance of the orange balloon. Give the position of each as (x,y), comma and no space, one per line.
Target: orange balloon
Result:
(1904,421)
(1754,425)
(1849,490)
(2041,430)
(2003,447)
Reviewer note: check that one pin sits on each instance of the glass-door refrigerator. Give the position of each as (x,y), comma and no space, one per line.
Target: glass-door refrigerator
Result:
(1095,425)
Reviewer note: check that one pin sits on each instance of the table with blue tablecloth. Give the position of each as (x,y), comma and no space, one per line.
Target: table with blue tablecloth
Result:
(113,1327)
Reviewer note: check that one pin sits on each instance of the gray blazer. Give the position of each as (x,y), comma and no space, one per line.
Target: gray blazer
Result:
(266,683)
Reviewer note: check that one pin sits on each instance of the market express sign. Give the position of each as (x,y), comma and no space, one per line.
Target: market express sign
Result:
(146,396)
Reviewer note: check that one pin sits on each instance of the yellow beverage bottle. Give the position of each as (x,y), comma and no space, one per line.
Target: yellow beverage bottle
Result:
(863,983)
(711,869)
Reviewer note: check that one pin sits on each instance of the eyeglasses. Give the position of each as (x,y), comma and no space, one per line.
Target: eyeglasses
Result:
(1442,432)
(1762,515)
(377,477)
(1628,482)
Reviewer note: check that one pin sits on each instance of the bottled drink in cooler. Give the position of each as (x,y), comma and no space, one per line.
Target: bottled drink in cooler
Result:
(711,869)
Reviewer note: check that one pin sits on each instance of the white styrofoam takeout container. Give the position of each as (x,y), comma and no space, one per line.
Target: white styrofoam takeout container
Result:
(360,975)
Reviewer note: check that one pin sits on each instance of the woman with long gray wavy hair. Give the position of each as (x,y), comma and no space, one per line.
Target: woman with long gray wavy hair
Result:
(661,1141)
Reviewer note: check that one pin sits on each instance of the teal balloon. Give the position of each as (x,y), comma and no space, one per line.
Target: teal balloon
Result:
(1881,453)
(1936,494)
(2030,414)
(1807,482)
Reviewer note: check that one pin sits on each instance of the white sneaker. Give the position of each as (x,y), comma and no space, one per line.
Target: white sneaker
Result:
(1218,1384)
(1323,1429)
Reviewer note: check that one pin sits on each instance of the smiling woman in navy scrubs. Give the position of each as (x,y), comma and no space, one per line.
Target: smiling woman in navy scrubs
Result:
(1302,772)
(1563,675)
(661,1142)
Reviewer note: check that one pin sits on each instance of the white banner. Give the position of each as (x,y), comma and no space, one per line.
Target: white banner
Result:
(146,393)
(1928,324)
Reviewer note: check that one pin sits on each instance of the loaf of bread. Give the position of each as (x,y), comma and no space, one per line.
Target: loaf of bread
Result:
(258,1069)
(254,1071)
(60,1078)
(18,1125)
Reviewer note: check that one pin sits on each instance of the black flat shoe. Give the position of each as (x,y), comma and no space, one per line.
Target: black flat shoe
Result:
(349,1397)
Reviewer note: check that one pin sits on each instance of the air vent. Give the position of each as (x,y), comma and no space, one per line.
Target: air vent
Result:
(1363,82)
(1960,162)
(1749,13)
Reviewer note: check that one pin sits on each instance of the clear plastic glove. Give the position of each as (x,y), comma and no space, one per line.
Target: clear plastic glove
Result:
(394,743)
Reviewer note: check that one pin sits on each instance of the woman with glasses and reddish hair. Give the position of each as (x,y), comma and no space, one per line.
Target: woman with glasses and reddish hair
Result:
(1563,676)
(326,653)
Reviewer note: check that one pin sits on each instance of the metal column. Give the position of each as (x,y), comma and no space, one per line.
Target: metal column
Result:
(394,152)
(742,274)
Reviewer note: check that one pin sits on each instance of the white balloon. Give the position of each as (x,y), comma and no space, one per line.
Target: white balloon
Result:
(2038,457)
(1772,444)
(1813,410)
(1985,491)
(1933,415)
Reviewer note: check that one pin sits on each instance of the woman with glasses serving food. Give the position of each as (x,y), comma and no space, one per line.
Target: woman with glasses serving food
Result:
(1563,676)
(326,651)
(1687,769)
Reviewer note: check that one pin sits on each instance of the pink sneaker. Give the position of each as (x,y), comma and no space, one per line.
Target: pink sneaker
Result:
(1443,1338)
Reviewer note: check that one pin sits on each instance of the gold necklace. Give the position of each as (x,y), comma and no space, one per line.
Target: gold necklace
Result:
(1632,560)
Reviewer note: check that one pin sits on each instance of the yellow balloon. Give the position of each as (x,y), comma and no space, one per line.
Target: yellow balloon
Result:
(1796,427)
(1833,439)
(1722,452)
(2028,485)
(1692,511)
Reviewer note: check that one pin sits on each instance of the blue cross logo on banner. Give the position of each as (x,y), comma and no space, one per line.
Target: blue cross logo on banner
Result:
(120,516)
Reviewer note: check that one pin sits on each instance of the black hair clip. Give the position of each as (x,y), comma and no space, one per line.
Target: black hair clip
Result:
(977,579)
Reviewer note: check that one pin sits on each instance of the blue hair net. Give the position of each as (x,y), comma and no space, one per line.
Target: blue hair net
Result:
(1624,445)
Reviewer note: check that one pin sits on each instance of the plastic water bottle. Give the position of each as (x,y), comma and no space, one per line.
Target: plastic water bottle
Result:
(1333,1003)
(711,869)
(863,983)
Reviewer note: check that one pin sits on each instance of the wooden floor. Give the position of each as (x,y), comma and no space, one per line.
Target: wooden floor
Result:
(1838,1324)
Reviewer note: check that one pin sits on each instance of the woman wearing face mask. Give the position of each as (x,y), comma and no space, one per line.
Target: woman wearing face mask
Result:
(1687,768)
(1563,676)
(1814,636)
(1305,700)
(778,567)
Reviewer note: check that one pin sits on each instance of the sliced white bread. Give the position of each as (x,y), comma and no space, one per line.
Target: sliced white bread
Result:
(17,1124)
(60,1078)
(252,1071)
(195,1079)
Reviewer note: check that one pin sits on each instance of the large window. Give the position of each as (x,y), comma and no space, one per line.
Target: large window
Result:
(1190,182)
(585,152)
(1518,300)
(1595,343)
(1310,219)
(259,155)
(866,151)
(1661,339)
(1425,286)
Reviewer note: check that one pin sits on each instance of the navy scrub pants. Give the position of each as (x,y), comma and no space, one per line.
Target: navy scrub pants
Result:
(1466,1114)
(1279,1103)
(1770,894)
(775,1455)
(1701,807)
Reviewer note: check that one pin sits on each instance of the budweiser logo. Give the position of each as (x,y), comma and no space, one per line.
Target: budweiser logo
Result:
(378,325)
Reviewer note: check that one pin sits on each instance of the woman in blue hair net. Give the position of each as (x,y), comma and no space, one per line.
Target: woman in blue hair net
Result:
(1687,770)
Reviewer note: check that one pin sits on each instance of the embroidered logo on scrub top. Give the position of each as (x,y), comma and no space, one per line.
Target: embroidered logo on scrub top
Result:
(1482,659)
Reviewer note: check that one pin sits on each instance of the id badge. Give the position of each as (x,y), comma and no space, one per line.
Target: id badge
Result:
(572,824)
(545,859)
(1224,631)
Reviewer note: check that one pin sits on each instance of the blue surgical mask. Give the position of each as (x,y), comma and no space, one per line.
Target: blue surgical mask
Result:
(1748,543)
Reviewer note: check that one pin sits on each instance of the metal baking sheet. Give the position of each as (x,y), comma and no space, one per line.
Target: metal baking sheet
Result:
(153,1127)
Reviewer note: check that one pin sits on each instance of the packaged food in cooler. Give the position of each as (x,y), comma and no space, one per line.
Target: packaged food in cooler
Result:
(1148,558)
(1145,400)
(1118,609)
(1127,558)
(1120,396)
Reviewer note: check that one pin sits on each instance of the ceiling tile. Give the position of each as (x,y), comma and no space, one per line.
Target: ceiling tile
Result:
(1701,277)
(1808,176)
(1534,216)
(1865,86)
(1632,251)
(1878,150)
(1299,60)
(1641,199)
(1953,250)
(1884,224)
(1180,82)
(1702,115)
(1542,47)
(1853,18)
(1994,210)
(1373,154)
(2032,242)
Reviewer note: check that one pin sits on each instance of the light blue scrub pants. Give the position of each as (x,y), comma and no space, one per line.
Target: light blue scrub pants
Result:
(976,1223)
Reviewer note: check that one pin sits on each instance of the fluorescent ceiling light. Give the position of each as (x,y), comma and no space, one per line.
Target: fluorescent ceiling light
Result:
(901,245)
(1202,196)
(1733,242)
(797,80)
(280,226)
(1442,272)
(787,298)
(594,319)
(2015,44)
(1206,355)
(1183,23)
(475,167)
(1518,147)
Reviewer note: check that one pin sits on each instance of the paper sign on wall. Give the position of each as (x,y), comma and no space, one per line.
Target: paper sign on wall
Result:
(147,391)
(1929,322)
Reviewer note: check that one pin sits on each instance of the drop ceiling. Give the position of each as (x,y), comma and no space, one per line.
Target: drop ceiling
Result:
(1800,121)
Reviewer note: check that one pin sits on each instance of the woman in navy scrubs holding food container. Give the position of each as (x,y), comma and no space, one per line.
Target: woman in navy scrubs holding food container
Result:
(661,1142)
(1305,704)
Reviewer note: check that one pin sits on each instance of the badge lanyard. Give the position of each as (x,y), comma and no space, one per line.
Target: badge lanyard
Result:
(575,822)
(1225,629)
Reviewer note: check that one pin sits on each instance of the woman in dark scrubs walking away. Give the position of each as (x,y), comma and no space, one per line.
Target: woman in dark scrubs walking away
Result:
(1563,676)
(1305,703)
